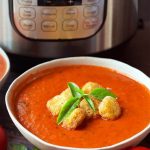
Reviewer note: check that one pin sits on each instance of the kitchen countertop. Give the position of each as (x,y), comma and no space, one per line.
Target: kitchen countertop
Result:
(135,52)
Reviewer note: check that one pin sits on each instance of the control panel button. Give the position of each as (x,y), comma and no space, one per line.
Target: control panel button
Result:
(27,2)
(70,13)
(90,23)
(27,24)
(28,13)
(90,11)
(49,26)
(89,2)
(49,13)
(70,25)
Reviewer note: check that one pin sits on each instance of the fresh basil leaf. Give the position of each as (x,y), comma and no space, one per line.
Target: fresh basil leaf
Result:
(73,107)
(18,147)
(89,101)
(101,93)
(66,107)
(35,148)
(75,90)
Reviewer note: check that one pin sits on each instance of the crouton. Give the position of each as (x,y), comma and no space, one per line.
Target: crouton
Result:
(88,111)
(66,94)
(109,108)
(89,87)
(55,104)
(74,119)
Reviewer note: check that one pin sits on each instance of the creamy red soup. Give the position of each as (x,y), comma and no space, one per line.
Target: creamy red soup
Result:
(2,66)
(134,99)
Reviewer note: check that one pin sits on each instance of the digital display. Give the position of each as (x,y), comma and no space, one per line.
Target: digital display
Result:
(59,2)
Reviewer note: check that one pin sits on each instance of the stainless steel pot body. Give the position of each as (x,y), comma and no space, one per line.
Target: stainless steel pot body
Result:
(117,21)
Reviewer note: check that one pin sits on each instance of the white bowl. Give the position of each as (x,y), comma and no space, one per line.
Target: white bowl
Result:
(109,63)
(4,77)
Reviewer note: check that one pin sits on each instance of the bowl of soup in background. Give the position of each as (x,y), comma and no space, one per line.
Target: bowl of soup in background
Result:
(37,72)
(4,67)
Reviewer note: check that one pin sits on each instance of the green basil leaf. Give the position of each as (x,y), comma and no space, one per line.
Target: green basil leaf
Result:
(18,147)
(75,90)
(66,107)
(101,93)
(89,101)
(73,107)
(35,148)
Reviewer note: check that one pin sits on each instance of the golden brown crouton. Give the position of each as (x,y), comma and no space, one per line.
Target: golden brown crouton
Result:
(74,119)
(109,108)
(66,94)
(55,104)
(89,87)
(88,111)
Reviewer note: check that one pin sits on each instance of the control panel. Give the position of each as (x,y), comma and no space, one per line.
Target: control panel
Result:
(59,2)
(58,19)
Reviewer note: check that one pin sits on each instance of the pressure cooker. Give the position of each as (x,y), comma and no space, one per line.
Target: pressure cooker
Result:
(59,28)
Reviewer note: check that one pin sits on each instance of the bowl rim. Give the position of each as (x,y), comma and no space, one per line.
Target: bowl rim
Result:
(49,63)
(6,59)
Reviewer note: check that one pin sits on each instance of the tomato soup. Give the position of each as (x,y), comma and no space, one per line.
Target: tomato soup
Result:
(2,66)
(134,99)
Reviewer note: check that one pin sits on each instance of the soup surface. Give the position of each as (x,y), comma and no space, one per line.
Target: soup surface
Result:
(2,66)
(134,98)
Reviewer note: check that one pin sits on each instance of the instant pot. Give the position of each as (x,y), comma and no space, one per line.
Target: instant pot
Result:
(58,28)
